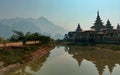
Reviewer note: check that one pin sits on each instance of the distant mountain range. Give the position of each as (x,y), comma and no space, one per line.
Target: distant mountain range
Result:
(41,25)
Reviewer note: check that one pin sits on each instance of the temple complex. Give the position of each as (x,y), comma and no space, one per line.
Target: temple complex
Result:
(99,33)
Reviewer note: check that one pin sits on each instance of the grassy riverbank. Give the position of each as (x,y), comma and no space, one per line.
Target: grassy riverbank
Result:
(113,47)
(13,57)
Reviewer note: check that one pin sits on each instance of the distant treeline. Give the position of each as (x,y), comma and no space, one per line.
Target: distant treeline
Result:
(19,36)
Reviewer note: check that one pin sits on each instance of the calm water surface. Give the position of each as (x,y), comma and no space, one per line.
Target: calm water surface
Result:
(74,60)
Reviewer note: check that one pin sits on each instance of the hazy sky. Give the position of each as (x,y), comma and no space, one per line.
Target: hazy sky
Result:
(66,13)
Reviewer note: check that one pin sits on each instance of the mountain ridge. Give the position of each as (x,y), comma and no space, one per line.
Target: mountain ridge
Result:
(41,25)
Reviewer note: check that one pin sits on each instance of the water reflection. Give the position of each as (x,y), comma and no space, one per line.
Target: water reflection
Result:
(104,60)
(74,60)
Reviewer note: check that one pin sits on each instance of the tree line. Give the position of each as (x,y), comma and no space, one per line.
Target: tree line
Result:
(19,36)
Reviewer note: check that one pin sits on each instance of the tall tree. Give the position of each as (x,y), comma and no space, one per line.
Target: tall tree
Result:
(20,36)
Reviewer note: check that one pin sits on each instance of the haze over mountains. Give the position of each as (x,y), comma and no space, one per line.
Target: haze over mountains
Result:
(41,25)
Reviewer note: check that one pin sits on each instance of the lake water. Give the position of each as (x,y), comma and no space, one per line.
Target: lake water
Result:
(74,60)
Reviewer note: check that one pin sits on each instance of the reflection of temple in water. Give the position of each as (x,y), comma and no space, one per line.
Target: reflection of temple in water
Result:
(97,56)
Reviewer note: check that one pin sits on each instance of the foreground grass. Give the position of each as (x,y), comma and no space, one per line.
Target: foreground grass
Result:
(14,54)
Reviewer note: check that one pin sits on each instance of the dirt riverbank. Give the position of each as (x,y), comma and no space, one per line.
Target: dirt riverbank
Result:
(17,44)
(43,50)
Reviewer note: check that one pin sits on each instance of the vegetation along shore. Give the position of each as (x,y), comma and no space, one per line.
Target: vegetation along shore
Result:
(22,48)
